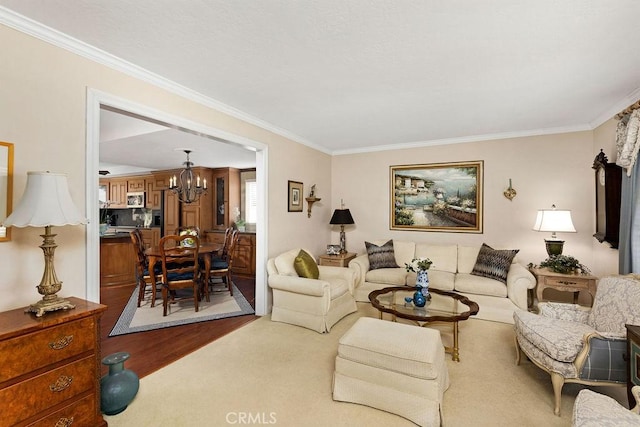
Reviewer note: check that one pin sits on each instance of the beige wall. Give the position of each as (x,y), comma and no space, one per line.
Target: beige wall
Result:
(544,170)
(43,109)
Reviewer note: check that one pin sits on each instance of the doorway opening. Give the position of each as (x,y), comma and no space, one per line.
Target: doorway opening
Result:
(97,101)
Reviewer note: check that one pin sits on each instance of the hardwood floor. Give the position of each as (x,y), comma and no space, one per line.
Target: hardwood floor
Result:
(156,349)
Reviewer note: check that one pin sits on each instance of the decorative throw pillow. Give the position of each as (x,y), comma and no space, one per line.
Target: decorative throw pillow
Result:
(381,256)
(494,264)
(306,266)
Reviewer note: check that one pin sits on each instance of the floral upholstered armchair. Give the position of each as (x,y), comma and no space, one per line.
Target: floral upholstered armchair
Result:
(593,409)
(580,345)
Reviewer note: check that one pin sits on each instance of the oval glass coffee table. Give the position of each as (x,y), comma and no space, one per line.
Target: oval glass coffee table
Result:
(444,306)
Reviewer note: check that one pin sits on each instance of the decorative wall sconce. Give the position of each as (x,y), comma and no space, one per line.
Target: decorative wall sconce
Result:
(311,200)
(510,192)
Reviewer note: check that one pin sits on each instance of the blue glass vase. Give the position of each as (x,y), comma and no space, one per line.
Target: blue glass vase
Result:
(119,387)
(419,300)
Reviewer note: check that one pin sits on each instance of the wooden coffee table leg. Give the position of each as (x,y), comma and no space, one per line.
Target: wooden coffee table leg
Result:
(456,354)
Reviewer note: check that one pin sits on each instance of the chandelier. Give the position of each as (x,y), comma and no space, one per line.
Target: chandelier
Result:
(184,187)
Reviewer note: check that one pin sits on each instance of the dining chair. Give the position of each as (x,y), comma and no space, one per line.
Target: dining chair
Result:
(221,267)
(180,270)
(143,279)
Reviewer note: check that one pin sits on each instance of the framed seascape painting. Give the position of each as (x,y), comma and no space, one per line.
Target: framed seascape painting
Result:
(295,196)
(437,197)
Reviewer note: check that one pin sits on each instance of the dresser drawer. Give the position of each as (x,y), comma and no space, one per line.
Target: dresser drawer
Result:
(78,414)
(26,399)
(29,352)
(564,281)
(337,262)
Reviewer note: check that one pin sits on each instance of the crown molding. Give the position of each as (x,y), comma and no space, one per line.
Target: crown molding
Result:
(616,108)
(64,41)
(465,139)
(33,28)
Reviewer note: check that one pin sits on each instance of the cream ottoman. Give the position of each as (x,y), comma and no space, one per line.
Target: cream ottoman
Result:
(394,367)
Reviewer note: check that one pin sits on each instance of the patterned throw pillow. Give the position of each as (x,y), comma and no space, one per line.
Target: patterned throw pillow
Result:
(494,264)
(381,256)
(306,266)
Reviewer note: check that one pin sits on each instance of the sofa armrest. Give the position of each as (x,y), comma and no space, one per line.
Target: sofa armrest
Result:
(564,311)
(347,274)
(360,265)
(519,279)
(299,285)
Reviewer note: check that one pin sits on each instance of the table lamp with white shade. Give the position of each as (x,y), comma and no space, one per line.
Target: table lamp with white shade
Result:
(555,221)
(46,202)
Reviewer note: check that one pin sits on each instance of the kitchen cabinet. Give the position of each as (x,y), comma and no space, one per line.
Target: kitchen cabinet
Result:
(118,193)
(117,260)
(171,212)
(150,236)
(226,196)
(155,184)
(135,184)
(50,371)
(199,213)
(244,259)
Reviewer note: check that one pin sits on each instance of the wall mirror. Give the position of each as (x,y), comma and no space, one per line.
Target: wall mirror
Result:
(6,187)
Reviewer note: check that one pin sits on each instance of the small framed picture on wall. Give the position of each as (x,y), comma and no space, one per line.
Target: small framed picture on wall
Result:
(295,196)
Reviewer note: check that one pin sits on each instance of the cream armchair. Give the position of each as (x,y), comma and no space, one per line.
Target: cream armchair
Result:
(317,304)
(579,345)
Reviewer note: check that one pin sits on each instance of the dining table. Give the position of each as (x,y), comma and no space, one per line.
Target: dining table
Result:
(205,252)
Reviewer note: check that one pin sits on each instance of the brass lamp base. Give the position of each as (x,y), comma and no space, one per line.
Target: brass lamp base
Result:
(43,306)
(554,247)
(49,285)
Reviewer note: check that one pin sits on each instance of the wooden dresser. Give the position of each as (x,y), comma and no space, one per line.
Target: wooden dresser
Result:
(50,367)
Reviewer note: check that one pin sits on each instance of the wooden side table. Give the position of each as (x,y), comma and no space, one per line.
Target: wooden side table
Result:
(341,260)
(575,283)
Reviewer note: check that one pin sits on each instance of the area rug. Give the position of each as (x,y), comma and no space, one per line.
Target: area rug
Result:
(147,318)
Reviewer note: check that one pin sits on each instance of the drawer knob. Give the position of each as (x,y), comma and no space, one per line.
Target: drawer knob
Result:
(61,384)
(64,422)
(61,343)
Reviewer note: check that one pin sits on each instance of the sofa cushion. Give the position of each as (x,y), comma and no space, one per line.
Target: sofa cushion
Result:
(467,256)
(381,256)
(284,263)
(306,266)
(559,339)
(493,263)
(479,285)
(442,280)
(387,276)
(404,252)
(444,257)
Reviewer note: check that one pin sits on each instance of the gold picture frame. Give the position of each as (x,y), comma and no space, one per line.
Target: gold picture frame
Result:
(295,196)
(6,187)
(437,197)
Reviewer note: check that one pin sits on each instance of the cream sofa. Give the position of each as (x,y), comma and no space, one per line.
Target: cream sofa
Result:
(451,271)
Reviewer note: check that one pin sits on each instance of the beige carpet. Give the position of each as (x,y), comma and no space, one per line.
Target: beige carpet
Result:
(269,373)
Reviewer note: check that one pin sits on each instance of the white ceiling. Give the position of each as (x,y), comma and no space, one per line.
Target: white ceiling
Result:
(355,75)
